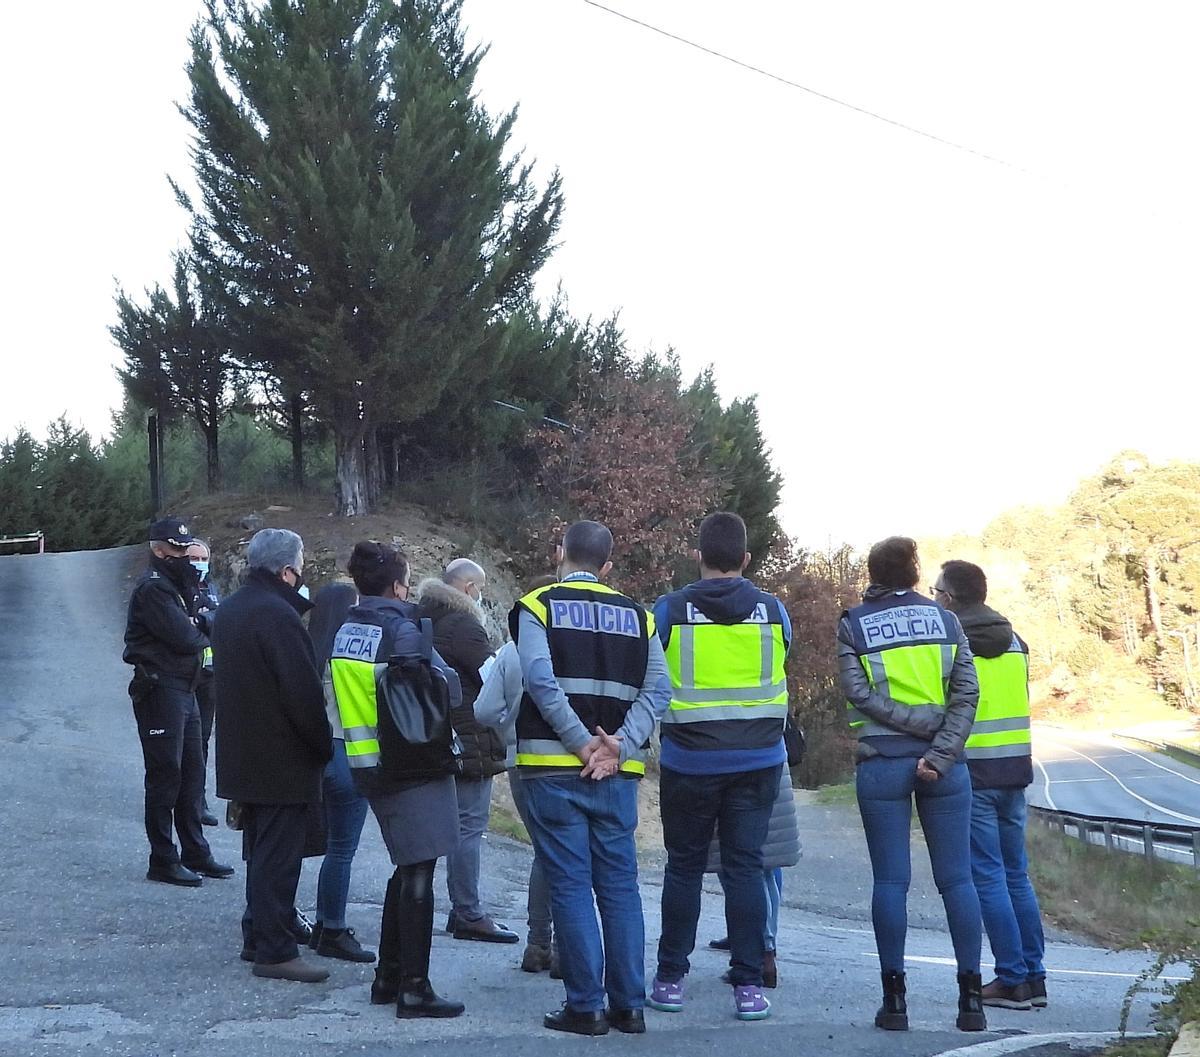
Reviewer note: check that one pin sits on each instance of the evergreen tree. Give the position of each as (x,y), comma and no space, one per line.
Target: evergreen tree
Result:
(19,461)
(178,355)
(365,211)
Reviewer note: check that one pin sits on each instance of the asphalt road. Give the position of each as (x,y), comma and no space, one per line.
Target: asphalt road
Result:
(1095,775)
(96,960)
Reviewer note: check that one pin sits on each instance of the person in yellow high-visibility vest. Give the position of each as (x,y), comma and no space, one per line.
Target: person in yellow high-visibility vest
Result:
(911,690)
(722,758)
(1000,759)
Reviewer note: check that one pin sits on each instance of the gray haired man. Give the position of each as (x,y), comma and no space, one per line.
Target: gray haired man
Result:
(273,742)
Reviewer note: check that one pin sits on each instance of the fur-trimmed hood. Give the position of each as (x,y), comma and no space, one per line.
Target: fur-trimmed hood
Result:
(433,594)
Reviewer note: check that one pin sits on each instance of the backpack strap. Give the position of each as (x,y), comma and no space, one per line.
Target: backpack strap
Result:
(426,626)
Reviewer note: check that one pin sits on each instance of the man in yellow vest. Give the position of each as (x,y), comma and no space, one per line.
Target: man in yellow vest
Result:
(1001,765)
(722,754)
(595,685)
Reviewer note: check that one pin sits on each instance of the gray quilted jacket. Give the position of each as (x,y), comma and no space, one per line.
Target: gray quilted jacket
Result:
(782,847)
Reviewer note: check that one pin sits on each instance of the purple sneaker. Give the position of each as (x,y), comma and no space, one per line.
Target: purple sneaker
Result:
(665,997)
(750,1002)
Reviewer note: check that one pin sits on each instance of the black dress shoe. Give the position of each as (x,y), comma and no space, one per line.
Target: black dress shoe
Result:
(417,998)
(175,874)
(719,945)
(568,1019)
(485,930)
(340,943)
(630,1021)
(211,868)
(209,819)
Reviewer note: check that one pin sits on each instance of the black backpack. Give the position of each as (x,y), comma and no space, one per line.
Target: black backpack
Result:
(415,737)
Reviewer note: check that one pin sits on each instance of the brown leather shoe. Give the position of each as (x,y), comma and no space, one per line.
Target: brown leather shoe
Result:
(296,969)
(770,970)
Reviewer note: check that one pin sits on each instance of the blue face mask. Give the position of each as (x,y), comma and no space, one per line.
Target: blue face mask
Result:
(202,568)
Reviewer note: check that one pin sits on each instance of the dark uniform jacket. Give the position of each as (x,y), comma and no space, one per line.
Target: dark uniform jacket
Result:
(459,638)
(273,738)
(161,641)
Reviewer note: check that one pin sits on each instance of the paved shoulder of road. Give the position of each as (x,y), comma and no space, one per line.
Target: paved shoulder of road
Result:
(99,961)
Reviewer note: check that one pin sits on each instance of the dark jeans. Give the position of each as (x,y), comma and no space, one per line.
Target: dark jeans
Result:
(169,728)
(406,930)
(273,842)
(537,904)
(692,806)
(886,790)
(1011,914)
(345,812)
(206,700)
(583,830)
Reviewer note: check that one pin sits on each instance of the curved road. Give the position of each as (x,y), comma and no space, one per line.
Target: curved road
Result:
(1096,775)
(98,961)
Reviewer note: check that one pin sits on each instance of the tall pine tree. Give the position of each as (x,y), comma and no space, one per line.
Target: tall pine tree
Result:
(365,211)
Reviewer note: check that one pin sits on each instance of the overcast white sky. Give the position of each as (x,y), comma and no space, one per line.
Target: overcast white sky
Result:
(934,337)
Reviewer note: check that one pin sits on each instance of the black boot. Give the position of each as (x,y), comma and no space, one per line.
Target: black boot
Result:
(970,1003)
(417,998)
(893,1014)
(386,987)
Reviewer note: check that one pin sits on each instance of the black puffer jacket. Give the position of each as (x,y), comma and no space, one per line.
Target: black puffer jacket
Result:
(463,644)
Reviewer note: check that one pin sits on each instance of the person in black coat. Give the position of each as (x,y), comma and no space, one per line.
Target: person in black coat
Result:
(452,605)
(273,742)
(165,645)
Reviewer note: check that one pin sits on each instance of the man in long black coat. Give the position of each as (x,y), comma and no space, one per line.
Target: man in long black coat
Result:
(273,742)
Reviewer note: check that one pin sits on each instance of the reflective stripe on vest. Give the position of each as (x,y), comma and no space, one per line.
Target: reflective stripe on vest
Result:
(208,657)
(1001,729)
(907,649)
(727,671)
(537,752)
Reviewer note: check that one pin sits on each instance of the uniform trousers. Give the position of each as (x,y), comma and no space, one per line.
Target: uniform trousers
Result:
(168,721)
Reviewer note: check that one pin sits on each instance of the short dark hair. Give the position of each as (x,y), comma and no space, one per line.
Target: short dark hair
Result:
(893,562)
(965,582)
(374,567)
(723,541)
(588,544)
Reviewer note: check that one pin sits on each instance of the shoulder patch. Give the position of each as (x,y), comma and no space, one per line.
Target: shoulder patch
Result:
(900,624)
(604,618)
(357,642)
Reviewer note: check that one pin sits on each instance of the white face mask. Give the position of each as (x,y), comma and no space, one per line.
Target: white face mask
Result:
(302,591)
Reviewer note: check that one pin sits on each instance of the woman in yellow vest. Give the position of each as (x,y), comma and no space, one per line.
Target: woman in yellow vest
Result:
(911,691)
(417,817)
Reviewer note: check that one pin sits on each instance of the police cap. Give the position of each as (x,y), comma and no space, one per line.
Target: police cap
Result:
(171,530)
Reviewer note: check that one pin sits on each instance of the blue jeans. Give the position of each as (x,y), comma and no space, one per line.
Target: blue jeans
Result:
(462,864)
(773,885)
(886,790)
(537,903)
(692,806)
(1011,914)
(345,812)
(583,831)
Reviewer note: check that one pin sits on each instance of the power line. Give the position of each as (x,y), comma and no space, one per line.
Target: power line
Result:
(804,88)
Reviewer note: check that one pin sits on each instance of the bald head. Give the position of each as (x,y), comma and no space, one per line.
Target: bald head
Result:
(466,576)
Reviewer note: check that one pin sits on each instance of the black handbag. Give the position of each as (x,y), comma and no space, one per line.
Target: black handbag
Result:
(416,740)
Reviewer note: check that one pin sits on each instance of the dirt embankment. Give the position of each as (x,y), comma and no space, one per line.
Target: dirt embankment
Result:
(328,540)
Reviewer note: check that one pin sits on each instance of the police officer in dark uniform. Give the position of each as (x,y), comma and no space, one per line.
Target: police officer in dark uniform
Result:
(166,645)
(204,602)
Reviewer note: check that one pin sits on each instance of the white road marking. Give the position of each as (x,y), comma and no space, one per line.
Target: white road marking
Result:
(1162,767)
(929,960)
(1046,776)
(1077,781)
(1136,796)
(1018,1043)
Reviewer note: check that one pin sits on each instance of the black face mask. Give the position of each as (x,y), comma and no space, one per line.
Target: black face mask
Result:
(181,571)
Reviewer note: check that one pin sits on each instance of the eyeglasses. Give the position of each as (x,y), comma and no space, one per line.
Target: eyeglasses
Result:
(935,590)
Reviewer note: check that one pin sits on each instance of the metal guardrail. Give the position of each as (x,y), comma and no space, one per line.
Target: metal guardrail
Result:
(1151,839)
(34,540)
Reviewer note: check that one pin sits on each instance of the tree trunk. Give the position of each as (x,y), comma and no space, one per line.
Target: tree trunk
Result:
(1155,608)
(351,485)
(374,465)
(212,454)
(296,433)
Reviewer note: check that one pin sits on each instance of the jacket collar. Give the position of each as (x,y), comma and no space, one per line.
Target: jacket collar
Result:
(435,594)
(388,605)
(271,582)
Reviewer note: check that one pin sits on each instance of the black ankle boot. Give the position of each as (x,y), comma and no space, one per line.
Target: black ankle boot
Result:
(417,998)
(970,1003)
(893,1014)
(385,988)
